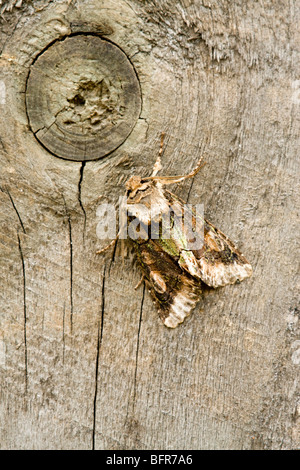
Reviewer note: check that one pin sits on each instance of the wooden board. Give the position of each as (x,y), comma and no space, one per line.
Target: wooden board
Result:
(85,361)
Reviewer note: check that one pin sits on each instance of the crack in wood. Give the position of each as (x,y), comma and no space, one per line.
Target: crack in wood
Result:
(113,255)
(24,314)
(2,145)
(16,210)
(71,273)
(99,342)
(6,191)
(104,92)
(14,207)
(79,196)
(137,347)
(67,215)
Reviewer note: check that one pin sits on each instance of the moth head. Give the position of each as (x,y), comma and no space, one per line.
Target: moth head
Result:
(137,189)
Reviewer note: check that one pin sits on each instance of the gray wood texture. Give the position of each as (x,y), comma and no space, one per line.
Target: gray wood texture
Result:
(84,359)
(82,97)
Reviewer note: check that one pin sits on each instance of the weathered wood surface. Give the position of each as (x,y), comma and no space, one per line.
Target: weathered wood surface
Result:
(84,360)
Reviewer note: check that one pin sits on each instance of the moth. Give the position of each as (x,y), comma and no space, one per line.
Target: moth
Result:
(172,271)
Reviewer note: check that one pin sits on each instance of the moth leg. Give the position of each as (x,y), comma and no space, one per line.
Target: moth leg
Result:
(107,247)
(157,166)
(140,282)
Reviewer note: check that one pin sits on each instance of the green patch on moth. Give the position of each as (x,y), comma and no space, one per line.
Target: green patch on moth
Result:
(169,246)
(179,235)
(188,254)
(150,246)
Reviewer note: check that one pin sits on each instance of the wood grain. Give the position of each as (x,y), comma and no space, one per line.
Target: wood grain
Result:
(85,361)
(82,97)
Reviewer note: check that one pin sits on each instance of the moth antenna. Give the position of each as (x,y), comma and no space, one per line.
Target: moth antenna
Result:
(157,166)
(177,179)
(196,170)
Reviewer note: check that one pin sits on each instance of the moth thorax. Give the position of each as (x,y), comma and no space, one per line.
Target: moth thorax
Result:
(133,183)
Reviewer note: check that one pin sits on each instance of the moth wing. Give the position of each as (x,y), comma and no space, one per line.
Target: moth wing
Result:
(174,291)
(219,260)
(176,241)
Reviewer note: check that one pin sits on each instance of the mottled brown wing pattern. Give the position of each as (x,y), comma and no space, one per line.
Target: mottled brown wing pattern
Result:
(173,271)
(219,261)
(173,290)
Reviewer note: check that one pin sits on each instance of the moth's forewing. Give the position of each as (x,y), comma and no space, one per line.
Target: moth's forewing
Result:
(174,291)
(218,261)
(172,269)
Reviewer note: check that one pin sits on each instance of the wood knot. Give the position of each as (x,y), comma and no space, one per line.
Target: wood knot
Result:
(82,97)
